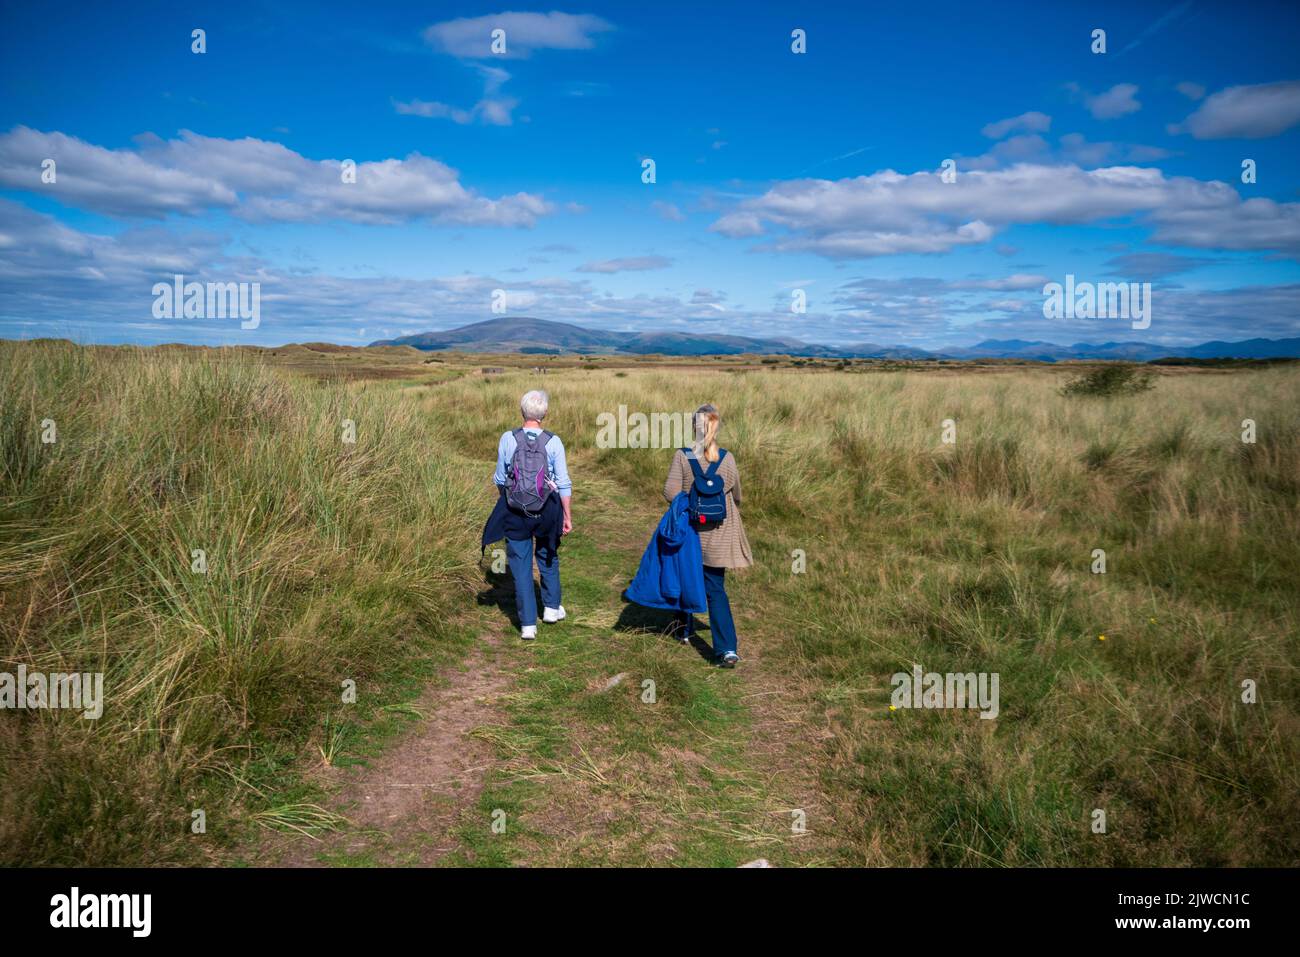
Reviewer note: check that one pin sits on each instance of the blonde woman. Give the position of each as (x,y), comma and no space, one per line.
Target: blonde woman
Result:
(722,543)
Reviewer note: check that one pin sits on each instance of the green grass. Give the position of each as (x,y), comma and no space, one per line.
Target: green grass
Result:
(976,557)
(593,777)
(329,561)
(325,561)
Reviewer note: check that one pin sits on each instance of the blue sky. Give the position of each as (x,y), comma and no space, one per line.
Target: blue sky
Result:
(775,171)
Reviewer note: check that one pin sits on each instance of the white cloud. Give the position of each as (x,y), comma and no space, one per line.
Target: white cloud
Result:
(1072,148)
(1256,224)
(1015,282)
(491,110)
(434,110)
(888,212)
(1193,91)
(627,264)
(252,179)
(56,280)
(739,225)
(1119,100)
(668,211)
(1245,112)
(525,33)
(1031,122)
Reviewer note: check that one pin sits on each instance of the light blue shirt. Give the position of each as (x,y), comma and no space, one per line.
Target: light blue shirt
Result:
(556,467)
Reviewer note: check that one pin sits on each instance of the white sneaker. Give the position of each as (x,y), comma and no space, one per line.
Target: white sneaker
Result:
(552,615)
(528,632)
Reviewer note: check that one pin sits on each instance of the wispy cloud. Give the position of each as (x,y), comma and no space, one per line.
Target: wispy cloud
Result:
(836,159)
(627,264)
(1170,16)
(1031,122)
(491,109)
(1119,100)
(668,211)
(525,33)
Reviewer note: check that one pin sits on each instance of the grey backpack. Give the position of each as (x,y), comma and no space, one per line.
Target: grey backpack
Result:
(527,484)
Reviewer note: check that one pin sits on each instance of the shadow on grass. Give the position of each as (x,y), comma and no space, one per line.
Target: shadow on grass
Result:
(500,591)
(636,617)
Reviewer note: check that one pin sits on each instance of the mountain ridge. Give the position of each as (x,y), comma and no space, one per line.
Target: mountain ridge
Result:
(529,335)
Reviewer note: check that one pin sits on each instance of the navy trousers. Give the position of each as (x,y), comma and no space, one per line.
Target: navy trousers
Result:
(722,627)
(520,556)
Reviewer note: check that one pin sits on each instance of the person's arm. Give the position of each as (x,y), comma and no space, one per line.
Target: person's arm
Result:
(504,451)
(563,484)
(735,482)
(678,477)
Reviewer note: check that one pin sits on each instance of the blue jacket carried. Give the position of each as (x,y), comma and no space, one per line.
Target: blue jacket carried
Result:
(672,569)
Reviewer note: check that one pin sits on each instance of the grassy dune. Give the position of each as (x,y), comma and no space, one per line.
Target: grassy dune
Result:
(325,563)
(976,557)
(331,561)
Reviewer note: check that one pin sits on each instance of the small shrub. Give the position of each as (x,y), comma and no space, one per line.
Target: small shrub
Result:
(1118,379)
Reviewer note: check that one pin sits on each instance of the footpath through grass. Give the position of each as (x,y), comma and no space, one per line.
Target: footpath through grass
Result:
(660,768)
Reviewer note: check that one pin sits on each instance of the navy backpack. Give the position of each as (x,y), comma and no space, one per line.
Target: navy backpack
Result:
(708,496)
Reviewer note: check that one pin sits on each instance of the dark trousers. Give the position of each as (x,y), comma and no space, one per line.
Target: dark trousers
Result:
(722,627)
(519,554)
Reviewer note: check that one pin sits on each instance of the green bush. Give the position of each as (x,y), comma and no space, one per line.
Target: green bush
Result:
(1109,380)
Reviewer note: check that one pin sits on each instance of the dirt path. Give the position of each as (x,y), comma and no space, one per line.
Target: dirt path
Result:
(721,768)
(605,742)
(403,807)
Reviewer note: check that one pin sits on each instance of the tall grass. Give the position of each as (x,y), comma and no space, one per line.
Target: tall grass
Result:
(977,556)
(326,561)
(329,561)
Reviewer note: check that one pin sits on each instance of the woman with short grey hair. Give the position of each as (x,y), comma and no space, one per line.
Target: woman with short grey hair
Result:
(534,498)
(534,405)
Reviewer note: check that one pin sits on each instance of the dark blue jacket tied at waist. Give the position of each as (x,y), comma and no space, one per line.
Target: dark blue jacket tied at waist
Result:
(517,526)
(672,569)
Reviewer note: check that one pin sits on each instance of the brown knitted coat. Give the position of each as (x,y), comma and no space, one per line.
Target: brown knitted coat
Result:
(726,545)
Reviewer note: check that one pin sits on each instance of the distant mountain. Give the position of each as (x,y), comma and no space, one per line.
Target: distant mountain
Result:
(1246,349)
(513,335)
(528,335)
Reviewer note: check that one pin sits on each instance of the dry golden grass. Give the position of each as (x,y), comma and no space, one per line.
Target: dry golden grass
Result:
(331,560)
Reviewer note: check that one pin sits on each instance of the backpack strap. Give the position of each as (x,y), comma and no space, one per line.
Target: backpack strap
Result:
(695,463)
(521,434)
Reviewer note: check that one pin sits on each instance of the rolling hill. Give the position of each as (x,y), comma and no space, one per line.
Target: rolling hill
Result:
(542,336)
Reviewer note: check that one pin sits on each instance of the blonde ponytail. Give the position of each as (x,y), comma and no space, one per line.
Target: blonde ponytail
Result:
(707,423)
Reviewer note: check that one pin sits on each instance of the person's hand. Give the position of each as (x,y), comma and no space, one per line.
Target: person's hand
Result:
(567,526)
